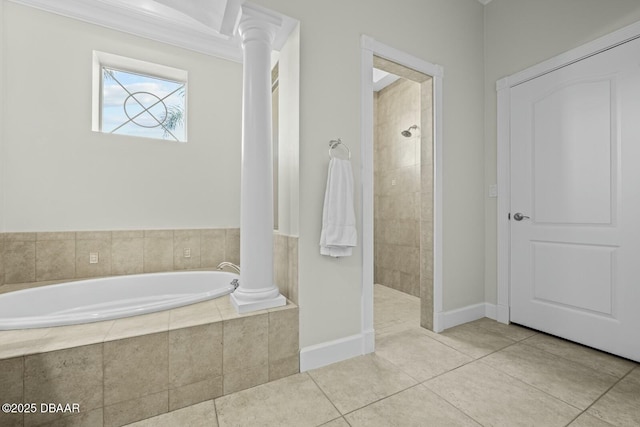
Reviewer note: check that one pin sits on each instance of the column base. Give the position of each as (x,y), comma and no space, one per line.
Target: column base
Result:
(244,306)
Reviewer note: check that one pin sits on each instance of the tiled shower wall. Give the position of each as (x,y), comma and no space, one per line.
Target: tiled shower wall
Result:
(426,198)
(50,256)
(397,176)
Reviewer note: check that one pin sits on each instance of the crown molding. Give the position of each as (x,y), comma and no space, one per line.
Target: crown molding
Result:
(156,21)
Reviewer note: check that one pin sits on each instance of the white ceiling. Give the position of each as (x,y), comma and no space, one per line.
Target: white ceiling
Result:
(382,79)
(207,26)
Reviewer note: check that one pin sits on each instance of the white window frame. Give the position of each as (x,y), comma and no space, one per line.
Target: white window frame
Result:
(109,60)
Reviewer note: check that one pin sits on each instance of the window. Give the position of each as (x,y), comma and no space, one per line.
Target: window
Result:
(138,98)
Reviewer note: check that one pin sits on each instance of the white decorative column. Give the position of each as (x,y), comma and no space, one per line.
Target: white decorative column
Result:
(256,291)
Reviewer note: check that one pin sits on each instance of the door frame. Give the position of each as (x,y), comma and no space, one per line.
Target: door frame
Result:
(369,48)
(503,87)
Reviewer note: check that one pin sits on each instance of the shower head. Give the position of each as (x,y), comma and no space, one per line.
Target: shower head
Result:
(407,133)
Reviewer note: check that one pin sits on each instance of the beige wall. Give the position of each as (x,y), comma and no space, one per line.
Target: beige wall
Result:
(59,175)
(397,187)
(289,135)
(522,33)
(449,33)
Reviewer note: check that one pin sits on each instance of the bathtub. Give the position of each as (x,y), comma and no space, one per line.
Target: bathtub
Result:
(108,298)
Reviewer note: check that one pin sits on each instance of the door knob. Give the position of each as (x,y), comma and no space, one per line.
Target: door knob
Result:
(519,217)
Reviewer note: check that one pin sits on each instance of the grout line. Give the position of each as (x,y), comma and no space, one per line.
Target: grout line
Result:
(383,398)
(581,346)
(534,386)
(601,396)
(215,410)
(451,404)
(323,392)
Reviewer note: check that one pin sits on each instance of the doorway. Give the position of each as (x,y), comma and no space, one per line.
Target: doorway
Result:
(425,129)
(403,180)
(573,232)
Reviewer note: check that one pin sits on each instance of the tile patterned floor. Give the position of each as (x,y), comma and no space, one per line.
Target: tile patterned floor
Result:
(479,374)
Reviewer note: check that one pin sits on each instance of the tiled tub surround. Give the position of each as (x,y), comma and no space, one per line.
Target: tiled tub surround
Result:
(125,370)
(33,259)
(38,257)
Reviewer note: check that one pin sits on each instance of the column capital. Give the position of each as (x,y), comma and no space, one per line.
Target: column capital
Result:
(260,19)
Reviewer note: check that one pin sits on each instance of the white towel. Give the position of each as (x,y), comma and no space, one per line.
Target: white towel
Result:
(339,234)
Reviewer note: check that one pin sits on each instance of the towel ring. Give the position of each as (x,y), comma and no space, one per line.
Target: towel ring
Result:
(334,144)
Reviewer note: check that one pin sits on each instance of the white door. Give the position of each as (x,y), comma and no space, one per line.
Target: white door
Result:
(575,188)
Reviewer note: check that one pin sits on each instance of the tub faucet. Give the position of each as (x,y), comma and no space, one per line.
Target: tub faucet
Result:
(228,264)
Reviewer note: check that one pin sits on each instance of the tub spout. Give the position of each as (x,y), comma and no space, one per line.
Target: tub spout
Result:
(228,264)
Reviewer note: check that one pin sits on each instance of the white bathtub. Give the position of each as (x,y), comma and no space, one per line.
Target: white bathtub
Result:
(108,298)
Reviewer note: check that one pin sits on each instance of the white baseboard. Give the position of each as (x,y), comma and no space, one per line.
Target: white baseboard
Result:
(491,311)
(326,353)
(502,314)
(369,341)
(449,319)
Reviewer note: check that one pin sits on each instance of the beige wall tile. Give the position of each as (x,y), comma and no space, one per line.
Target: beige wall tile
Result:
(133,410)
(228,311)
(66,376)
(201,313)
(186,239)
(195,393)
(64,337)
(11,388)
(158,251)
(135,326)
(1,259)
(158,234)
(283,333)
(56,235)
(135,367)
(11,378)
(83,250)
(232,245)
(20,237)
(195,354)
(293,269)
(212,243)
(55,258)
(93,235)
(284,367)
(281,263)
(245,352)
(398,202)
(19,342)
(246,378)
(127,234)
(19,261)
(127,254)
